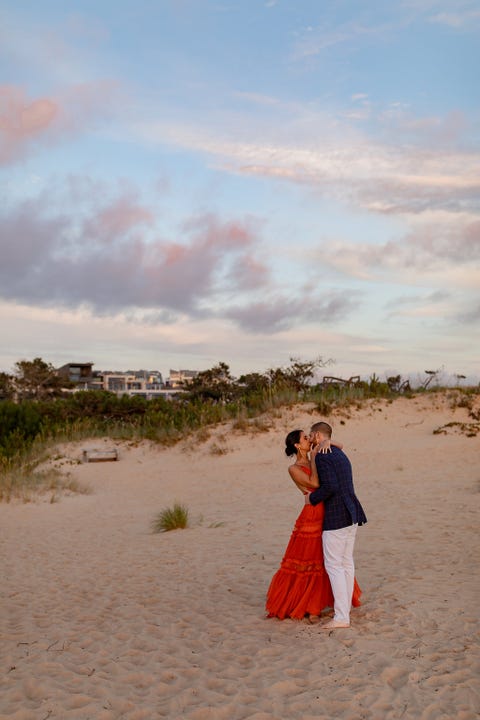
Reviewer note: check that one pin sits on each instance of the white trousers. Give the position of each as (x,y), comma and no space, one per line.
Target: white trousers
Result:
(338,560)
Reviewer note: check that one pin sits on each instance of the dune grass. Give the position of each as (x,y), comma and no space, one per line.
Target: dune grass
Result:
(171,518)
(27,481)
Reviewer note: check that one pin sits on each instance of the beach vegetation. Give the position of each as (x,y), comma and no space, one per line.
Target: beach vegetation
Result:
(217,449)
(34,417)
(32,478)
(36,379)
(460,428)
(170,518)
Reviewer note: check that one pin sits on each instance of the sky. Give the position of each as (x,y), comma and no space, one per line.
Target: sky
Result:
(188,182)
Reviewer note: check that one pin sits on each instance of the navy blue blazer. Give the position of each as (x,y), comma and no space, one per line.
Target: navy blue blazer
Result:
(336,491)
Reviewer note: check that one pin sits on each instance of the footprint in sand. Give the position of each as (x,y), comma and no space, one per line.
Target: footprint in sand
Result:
(395,677)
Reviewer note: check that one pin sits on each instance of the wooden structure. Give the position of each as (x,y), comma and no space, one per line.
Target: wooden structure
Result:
(94,455)
(330,380)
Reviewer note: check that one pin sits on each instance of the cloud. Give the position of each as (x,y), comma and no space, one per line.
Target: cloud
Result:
(449,253)
(29,123)
(434,132)
(312,41)
(438,304)
(438,296)
(118,218)
(22,121)
(470,315)
(110,259)
(466,19)
(405,174)
(256,98)
(280,313)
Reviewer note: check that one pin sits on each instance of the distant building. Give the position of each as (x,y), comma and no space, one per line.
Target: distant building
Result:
(152,377)
(140,383)
(81,375)
(179,378)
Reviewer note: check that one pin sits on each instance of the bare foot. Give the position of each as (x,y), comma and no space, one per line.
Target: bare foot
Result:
(334,625)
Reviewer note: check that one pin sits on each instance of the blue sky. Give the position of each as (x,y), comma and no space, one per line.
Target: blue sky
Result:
(191,182)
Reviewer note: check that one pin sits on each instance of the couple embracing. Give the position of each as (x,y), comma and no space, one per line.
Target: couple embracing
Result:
(317,570)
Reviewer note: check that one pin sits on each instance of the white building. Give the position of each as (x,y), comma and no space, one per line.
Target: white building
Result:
(179,378)
(148,385)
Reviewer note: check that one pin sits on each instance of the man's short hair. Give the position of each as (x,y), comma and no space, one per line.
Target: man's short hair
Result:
(322,427)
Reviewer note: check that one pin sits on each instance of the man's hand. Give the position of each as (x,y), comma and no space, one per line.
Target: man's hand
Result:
(307,499)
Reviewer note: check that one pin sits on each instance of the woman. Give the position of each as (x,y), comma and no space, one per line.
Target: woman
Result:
(301,586)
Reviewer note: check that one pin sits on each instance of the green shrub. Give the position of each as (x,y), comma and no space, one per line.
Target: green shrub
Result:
(173,518)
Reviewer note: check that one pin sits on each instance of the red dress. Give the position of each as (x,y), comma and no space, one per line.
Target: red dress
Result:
(301,586)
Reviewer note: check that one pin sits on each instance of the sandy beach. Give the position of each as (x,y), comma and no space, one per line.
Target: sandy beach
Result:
(101,619)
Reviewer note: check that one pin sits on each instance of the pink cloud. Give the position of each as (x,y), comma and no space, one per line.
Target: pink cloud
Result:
(26,122)
(22,121)
(248,273)
(110,263)
(434,131)
(174,254)
(120,217)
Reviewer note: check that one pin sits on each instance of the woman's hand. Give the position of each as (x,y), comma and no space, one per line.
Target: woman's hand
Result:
(324,447)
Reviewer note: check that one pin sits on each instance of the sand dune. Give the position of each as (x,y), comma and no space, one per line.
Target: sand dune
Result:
(101,619)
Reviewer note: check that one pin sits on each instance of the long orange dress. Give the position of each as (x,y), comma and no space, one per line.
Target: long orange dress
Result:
(301,585)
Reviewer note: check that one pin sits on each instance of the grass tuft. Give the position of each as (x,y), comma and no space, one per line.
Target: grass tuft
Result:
(218,449)
(173,518)
(458,428)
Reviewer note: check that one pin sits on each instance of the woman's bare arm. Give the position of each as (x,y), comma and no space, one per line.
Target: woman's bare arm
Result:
(302,480)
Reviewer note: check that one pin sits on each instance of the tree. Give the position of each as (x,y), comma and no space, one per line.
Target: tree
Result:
(7,389)
(432,375)
(216,384)
(396,384)
(297,375)
(36,379)
(253,382)
(301,373)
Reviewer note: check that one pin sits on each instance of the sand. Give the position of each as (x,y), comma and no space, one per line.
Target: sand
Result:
(101,619)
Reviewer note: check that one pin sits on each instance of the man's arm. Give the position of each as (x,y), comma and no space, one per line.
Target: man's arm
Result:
(327,480)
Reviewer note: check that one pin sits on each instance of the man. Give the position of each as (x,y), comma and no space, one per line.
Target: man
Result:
(343,515)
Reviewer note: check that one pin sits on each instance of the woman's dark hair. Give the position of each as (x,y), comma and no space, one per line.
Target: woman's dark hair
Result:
(291,440)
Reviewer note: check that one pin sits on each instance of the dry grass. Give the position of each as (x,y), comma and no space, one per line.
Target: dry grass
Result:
(216,449)
(27,484)
(459,428)
(252,427)
(202,435)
